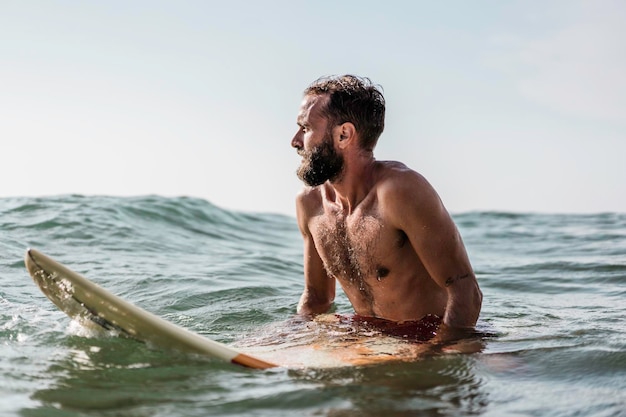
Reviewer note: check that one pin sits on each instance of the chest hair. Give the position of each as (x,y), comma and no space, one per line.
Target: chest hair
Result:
(349,247)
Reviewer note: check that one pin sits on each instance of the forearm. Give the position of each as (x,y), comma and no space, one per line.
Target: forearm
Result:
(464,303)
(461,314)
(311,304)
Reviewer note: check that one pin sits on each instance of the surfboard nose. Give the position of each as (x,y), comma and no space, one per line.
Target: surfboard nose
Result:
(38,266)
(29,260)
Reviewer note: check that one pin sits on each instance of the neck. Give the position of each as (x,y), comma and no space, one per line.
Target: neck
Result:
(355,183)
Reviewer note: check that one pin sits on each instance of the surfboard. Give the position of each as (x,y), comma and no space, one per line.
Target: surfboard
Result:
(90,304)
(327,341)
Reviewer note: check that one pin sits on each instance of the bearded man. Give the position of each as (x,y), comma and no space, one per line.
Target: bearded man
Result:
(376,227)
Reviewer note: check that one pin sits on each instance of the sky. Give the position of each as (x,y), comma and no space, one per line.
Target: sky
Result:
(502,105)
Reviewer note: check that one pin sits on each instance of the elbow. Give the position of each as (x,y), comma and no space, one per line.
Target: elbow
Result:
(477,296)
(474,302)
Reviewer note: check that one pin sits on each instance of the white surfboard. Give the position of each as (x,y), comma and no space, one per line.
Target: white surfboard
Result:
(328,341)
(87,302)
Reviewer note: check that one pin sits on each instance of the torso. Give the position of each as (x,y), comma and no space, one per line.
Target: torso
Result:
(373,260)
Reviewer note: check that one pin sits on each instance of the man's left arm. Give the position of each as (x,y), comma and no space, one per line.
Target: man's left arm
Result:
(437,242)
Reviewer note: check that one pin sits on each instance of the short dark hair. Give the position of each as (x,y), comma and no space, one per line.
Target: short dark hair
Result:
(353,99)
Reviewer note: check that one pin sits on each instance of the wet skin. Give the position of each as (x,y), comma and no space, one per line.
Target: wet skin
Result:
(380,230)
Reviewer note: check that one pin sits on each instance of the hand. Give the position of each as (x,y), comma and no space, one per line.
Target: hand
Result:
(457,340)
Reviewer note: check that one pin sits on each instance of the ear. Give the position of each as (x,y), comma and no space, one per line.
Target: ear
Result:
(345,135)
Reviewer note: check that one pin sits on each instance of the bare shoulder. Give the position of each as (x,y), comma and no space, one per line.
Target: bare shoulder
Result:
(398,183)
(308,204)
(407,200)
(309,198)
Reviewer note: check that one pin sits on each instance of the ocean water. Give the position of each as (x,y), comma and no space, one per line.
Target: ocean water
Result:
(554,314)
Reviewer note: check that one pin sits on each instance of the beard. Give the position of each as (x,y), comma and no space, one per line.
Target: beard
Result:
(320,164)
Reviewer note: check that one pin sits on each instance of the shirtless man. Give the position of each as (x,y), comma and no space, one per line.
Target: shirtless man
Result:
(376,227)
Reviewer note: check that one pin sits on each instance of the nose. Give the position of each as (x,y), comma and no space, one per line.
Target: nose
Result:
(296,141)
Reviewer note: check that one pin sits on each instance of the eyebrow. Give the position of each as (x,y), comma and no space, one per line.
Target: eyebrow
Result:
(300,121)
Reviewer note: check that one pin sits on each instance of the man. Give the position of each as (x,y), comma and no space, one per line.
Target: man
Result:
(376,227)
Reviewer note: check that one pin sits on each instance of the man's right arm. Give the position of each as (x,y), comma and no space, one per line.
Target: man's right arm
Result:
(319,288)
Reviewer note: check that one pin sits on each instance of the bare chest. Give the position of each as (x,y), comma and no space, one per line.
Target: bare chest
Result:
(357,249)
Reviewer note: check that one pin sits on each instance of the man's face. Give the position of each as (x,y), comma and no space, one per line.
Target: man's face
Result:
(314,142)
(320,164)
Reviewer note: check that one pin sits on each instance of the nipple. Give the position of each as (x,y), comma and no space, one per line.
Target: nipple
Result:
(381,273)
